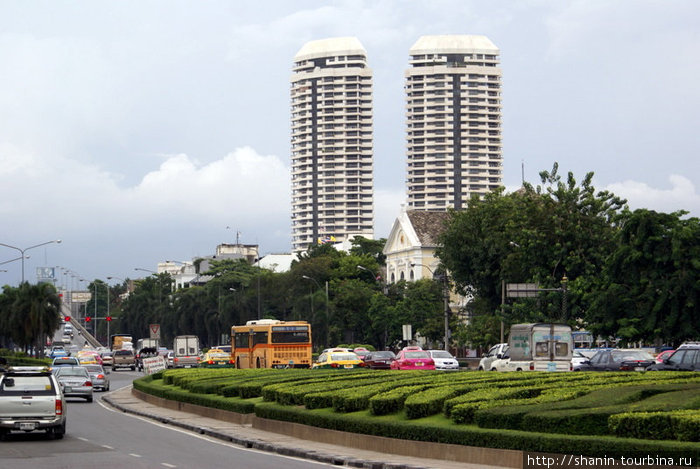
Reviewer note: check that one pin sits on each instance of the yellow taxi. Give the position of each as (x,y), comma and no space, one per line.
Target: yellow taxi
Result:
(89,357)
(338,358)
(216,358)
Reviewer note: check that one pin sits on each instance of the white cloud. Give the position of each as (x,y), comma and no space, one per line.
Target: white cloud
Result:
(387,206)
(681,196)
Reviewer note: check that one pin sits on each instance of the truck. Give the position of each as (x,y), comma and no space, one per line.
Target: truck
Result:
(538,347)
(31,400)
(186,351)
(121,341)
(146,343)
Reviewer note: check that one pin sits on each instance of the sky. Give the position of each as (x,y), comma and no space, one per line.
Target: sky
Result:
(138,132)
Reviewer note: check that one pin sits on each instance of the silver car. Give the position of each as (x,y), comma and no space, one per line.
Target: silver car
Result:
(98,376)
(75,381)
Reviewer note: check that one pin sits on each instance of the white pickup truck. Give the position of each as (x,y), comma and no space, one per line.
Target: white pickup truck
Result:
(31,399)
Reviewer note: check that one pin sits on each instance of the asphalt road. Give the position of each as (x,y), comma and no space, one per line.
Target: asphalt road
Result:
(98,436)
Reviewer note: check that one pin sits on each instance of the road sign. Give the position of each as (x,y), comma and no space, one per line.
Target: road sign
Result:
(154,330)
(407,333)
(522,290)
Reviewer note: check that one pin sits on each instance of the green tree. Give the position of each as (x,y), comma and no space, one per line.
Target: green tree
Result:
(535,235)
(650,287)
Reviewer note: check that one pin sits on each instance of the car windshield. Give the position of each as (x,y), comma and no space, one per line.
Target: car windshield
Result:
(93,368)
(630,355)
(441,354)
(416,355)
(343,356)
(383,355)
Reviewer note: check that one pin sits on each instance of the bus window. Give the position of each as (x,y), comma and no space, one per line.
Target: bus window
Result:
(241,339)
(259,337)
(290,337)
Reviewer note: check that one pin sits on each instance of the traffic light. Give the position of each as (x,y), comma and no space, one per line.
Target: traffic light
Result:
(88,319)
(108,318)
(67,318)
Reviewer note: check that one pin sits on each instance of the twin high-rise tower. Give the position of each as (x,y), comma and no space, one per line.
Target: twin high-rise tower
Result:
(453,132)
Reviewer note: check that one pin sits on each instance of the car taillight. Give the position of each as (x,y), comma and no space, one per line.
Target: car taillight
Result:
(59,407)
(532,366)
(100,376)
(334,365)
(363,364)
(230,362)
(176,359)
(211,362)
(87,383)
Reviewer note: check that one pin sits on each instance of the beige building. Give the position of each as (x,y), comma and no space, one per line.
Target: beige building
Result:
(331,137)
(453,104)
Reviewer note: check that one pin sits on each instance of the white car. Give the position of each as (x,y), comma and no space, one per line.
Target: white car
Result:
(578,358)
(443,360)
(494,353)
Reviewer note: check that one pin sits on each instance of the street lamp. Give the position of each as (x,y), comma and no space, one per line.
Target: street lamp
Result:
(57,241)
(13,260)
(328,311)
(445,295)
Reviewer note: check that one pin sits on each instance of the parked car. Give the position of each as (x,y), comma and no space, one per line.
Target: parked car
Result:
(494,353)
(337,358)
(664,355)
(686,358)
(380,360)
(618,360)
(361,352)
(216,358)
(98,376)
(577,359)
(413,358)
(75,382)
(47,411)
(443,360)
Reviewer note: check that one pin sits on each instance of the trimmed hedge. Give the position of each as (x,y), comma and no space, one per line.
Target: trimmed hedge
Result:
(361,422)
(542,412)
(681,425)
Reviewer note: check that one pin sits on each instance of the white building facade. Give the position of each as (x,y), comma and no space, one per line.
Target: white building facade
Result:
(453,104)
(332,143)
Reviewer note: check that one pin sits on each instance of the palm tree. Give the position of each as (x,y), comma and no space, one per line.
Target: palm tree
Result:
(36,311)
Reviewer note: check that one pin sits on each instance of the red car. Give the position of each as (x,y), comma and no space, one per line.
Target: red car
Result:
(413,358)
(665,354)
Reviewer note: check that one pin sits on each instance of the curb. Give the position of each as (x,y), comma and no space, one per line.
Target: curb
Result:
(265,446)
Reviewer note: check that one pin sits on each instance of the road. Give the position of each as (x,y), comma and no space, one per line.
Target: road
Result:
(98,436)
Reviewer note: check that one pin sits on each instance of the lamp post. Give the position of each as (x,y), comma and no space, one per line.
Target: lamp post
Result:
(57,241)
(109,323)
(13,260)
(446,305)
(328,311)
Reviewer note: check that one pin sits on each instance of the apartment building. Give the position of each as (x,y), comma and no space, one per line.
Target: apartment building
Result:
(453,126)
(331,139)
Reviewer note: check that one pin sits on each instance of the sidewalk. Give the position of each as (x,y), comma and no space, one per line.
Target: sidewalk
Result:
(249,437)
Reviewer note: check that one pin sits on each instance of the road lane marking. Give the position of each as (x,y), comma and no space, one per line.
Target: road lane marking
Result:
(135,455)
(83,439)
(167,465)
(107,446)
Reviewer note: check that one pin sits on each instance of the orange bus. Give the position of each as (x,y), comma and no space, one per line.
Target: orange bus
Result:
(269,343)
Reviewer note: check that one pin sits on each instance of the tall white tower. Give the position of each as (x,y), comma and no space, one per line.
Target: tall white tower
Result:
(453,132)
(332,162)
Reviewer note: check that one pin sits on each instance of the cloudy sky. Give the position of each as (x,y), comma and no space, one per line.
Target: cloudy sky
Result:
(137,132)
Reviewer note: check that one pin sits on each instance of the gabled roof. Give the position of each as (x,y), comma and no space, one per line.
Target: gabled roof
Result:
(427,225)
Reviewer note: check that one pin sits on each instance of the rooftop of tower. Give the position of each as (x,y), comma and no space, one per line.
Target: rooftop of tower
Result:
(453,44)
(330,47)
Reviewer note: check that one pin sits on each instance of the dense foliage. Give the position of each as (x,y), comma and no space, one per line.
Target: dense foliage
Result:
(29,314)
(626,275)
